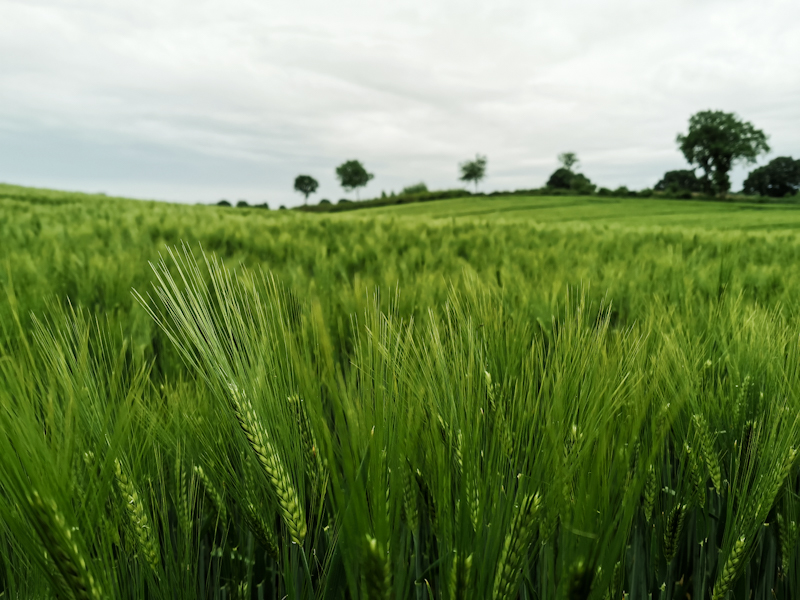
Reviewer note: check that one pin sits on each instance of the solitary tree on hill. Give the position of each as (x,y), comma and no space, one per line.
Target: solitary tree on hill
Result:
(352,175)
(568,160)
(306,185)
(715,141)
(473,170)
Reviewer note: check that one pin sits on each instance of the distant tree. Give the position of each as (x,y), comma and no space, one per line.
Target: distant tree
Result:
(568,160)
(223,203)
(560,179)
(778,178)
(473,170)
(352,175)
(715,141)
(580,184)
(622,192)
(679,181)
(564,179)
(306,185)
(417,188)
(242,204)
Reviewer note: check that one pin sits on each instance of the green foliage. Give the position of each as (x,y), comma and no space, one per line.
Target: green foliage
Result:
(345,204)
(568,160)
(242,204)
(352,175)
(417,188)
(778,178)
(561,179)
(564,179)
(715,141)
(306,185)
(675,182)
(473,170)
(581,398)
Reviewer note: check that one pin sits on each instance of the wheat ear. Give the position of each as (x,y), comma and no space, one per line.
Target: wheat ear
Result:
(377,577)
(695,477)
(261,528)
(313,461)
(787,540)
(459,577)
(211,490)
(709,454)
(728,574)
(672,530)
(288,501)
(410,499)
(515,545)
(182,502)
(650,490)
(69,560)
(138,517)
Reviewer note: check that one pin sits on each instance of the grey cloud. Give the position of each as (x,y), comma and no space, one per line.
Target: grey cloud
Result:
(183,100)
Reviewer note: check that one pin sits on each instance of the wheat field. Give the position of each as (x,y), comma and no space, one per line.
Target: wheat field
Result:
(482,398)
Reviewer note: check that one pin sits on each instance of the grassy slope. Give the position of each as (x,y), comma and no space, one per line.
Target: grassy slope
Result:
(631,212)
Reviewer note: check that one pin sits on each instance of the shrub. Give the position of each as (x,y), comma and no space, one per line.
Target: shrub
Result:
(417,188)
(680,180)
(223,203)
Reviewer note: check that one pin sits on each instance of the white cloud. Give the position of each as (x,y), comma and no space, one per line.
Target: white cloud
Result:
(198,100)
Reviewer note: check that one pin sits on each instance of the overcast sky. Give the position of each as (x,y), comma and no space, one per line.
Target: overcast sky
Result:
(207,99)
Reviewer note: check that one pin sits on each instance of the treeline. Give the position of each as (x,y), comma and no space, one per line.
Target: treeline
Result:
(621,192)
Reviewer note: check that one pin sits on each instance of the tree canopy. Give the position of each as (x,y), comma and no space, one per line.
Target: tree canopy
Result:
(683,180)
(560,179)
(306,185)
(417,188)
(779,178)
(352,175)
(568,160)
(564,178)
(715,141)
(473,170)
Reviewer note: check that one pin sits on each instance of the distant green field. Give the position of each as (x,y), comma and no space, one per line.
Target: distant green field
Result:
(628,212)
(499,398)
